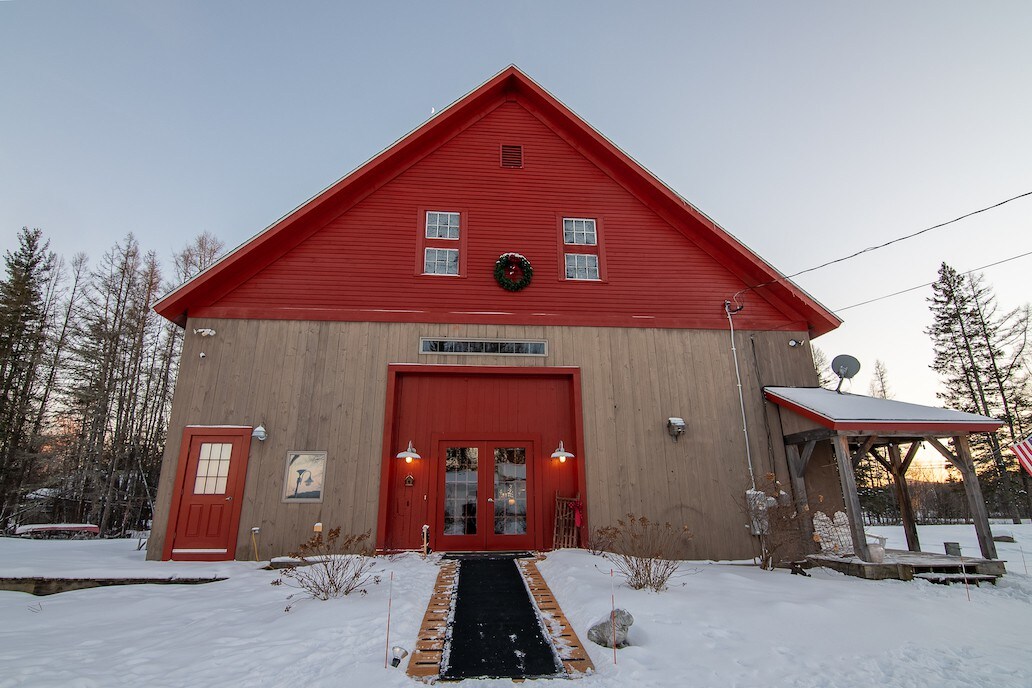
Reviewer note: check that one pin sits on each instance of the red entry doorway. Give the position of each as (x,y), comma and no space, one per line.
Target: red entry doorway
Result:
(205,510)
(483,433)
(485,494)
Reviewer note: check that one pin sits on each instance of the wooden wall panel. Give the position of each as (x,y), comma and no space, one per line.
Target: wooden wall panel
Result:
(322,386)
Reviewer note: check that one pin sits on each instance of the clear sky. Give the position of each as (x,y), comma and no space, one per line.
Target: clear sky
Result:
(808,130)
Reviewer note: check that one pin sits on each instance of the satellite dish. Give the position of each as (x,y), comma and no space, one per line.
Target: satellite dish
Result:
(845,366)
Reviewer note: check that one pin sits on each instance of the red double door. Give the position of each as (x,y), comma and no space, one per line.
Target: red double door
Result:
(484,497)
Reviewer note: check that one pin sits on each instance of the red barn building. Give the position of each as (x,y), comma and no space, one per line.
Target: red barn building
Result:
(385,314)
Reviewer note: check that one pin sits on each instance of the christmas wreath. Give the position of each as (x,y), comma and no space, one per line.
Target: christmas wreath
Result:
(513,271)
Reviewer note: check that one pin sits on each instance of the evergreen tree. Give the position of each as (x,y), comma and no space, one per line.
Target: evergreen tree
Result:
(880,381)
(24,320)
(979,356)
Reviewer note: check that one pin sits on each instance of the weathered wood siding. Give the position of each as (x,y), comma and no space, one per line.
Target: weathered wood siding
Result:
(322,386)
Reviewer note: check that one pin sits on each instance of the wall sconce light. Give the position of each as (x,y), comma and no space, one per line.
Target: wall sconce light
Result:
(317,528)
(259,433)
(561,453)
(409,454)
(398,653)
(794,343)
(676,427)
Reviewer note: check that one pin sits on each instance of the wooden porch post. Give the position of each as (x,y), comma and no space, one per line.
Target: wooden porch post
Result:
(975,499)
(848,482)
(796,470)
(898,470)
(976,503)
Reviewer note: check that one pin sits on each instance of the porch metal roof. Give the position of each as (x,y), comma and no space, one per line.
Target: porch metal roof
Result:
(837,411)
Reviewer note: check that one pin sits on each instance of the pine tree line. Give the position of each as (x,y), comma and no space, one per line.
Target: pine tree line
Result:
(87,370)
(982,358)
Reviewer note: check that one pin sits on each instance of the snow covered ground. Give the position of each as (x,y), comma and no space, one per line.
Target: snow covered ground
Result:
(720,625)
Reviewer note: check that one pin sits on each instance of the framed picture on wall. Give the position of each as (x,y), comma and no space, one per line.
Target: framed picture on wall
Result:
(305,476)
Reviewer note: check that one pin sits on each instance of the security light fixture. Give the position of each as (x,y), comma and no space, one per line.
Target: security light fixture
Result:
(409,454)
(561,453)
(259,433)
(676,427)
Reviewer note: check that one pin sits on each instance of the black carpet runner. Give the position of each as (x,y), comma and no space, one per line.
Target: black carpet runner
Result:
(496,632)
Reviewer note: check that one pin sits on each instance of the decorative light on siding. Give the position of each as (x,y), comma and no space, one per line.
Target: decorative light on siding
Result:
(561,453)
(409,454)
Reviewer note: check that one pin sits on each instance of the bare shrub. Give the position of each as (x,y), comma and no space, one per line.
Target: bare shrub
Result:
(330,567)
(601,539)
(641,551)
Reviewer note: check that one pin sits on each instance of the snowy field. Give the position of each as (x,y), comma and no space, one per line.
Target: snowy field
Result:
(720,625)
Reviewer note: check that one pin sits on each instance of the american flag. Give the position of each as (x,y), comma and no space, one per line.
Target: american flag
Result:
(1023,450)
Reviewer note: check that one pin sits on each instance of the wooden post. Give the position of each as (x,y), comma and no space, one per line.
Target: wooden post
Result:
(848,482)
(976,503)
(898,470)
(796,470)
(975,499)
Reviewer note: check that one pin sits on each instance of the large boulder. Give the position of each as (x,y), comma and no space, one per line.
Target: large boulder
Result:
(601,633)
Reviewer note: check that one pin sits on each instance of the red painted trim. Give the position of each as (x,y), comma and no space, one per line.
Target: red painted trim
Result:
(883,425)
(599,249)
(386,455)
(237,491)
(578,428)
(717,322)
(395,370)
(423,242)
(510,83)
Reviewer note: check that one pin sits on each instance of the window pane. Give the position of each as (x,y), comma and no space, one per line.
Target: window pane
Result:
(510,491)
(579,231)
(460,507)
(441,261)
(441,225)
(581,266)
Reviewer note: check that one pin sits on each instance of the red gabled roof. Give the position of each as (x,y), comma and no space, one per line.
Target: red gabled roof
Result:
(262,249)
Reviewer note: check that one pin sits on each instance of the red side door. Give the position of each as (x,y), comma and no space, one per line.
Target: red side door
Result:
(209,490)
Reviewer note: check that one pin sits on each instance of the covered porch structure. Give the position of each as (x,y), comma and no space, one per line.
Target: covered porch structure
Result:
(891,432)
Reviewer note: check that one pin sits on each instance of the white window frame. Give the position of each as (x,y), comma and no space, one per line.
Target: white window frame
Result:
(584,231)
(437,225)
(587,268)
(436,262)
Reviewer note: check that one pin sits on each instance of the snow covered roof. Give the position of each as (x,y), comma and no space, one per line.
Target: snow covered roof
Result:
(857,412)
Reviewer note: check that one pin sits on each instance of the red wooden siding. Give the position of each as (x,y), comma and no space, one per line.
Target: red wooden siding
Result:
(359,266)
(478,404)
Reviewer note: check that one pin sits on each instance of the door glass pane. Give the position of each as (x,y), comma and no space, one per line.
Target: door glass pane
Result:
(510,491)
(460,491)
(212,468)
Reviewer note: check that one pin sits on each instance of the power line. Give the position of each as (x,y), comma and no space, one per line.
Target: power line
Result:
(928,284)
(887,243)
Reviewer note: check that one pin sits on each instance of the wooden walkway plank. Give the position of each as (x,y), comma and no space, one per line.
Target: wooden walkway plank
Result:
(571,650)
(425,660)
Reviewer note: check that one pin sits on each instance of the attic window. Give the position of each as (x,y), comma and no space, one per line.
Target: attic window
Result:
(512,157)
